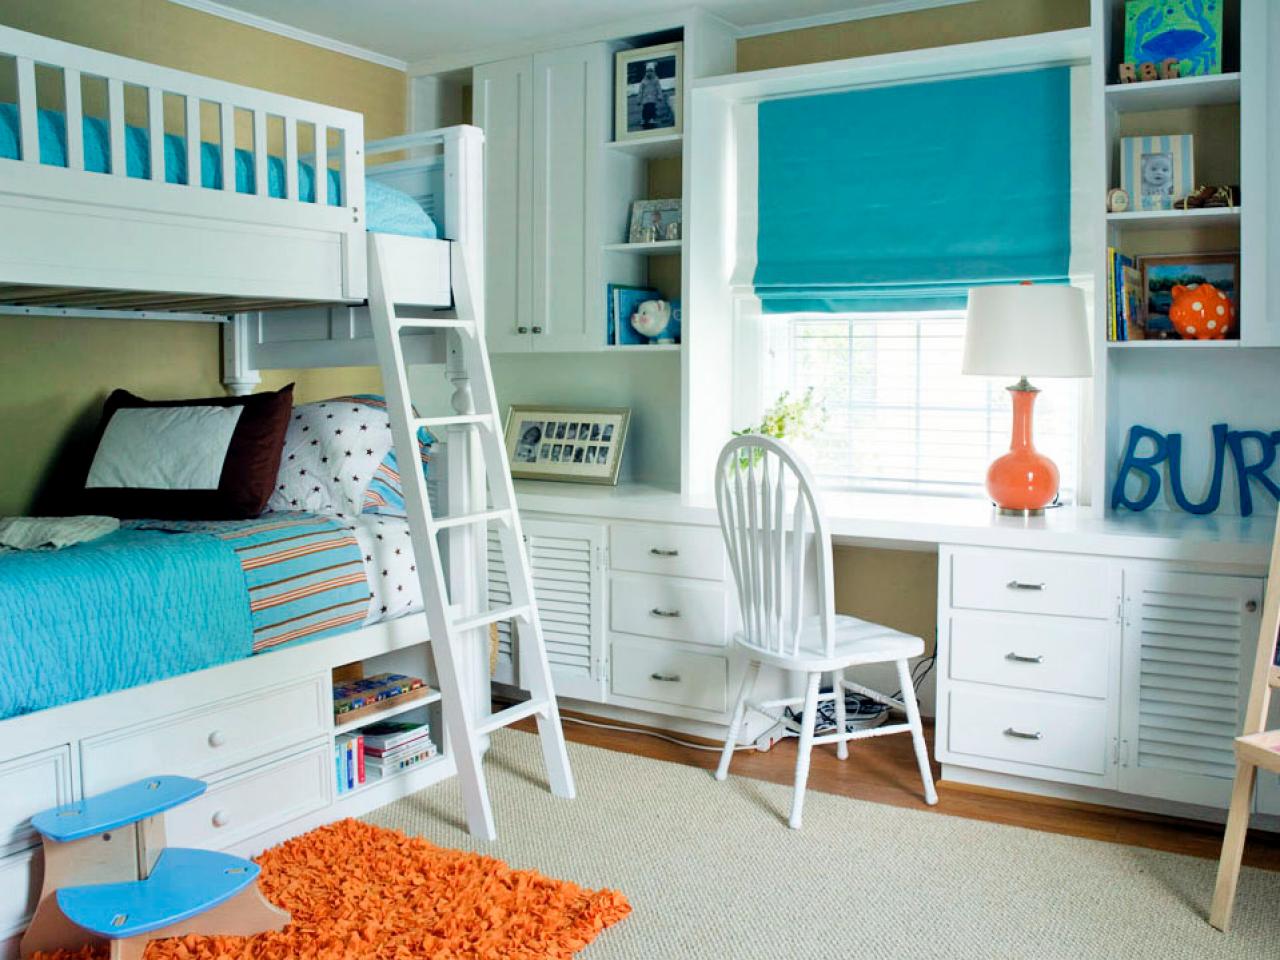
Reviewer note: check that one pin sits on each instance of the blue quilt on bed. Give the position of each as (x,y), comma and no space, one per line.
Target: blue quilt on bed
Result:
(140,605)
(388,210)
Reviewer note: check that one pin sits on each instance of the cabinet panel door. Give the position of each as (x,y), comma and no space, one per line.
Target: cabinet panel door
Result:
(568,584)
(568,146)
(1188,649)
(503,108)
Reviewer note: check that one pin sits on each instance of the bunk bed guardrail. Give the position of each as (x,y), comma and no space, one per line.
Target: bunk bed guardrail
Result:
(121,222)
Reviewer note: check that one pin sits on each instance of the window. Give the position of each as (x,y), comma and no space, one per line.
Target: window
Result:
(899,414)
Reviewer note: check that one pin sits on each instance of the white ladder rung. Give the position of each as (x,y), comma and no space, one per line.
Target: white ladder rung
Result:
(463,519)
(491,616)
(504,718)
(457,420)
(435,323)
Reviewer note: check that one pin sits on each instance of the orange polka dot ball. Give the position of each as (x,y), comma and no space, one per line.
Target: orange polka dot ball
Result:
(1201,311)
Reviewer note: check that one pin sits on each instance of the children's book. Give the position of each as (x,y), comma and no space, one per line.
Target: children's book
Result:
(625,302)
(616,321)
(389,734)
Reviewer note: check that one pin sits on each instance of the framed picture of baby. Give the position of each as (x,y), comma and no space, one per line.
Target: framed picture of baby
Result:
(566,443)
(649,87)
(1157,172)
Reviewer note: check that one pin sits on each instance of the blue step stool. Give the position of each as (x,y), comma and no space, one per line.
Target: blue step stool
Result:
(108,875)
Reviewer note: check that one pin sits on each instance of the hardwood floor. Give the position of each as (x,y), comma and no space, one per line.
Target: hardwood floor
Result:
(883,770)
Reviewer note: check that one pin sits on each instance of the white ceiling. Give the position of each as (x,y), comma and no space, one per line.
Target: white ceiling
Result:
(415,30)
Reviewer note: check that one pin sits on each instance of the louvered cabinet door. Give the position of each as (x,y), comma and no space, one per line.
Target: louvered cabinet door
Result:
(1189,643)
(567,560)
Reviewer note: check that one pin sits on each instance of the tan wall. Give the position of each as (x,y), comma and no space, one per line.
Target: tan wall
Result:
(893,587)
(54,374)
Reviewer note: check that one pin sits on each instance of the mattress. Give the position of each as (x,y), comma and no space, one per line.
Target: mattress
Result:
(388,210)
(158,599)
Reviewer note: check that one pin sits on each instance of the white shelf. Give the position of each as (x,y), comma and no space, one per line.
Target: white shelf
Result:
(1204,91)
(350,726)
(658,248)
(641,347)
(651,148)
(1174,344)
(1173,219)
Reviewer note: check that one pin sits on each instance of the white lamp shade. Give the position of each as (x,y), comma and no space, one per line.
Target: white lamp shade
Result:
(1027,330)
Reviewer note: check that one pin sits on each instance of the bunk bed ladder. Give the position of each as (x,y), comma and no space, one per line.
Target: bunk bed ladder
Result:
(1257,749)
(455,635)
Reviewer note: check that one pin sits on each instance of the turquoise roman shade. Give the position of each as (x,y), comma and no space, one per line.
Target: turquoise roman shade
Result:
(902,197)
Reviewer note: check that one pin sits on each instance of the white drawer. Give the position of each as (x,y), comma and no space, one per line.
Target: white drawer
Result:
(667,675)
(1029,728)
(669,608)
(1054,654)
(20,879)
(1031,582)
(246,804)
(212,737)
(28,785)
(675,551)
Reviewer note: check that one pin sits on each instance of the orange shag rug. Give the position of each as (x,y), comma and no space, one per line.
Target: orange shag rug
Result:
(357,890)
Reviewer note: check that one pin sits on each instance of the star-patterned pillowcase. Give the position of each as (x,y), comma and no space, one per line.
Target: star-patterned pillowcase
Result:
(332,450)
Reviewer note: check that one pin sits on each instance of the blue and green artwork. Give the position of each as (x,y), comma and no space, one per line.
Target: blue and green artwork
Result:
(1189,31)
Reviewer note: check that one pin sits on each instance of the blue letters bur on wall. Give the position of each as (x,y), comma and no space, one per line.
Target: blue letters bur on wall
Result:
(1168,449)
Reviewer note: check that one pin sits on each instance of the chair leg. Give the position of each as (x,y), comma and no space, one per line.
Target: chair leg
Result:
(917,731)
(805,749)
(837,681)
(735,723)
(1224,892)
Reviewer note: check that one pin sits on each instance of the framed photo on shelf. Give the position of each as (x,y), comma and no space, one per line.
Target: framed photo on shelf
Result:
(654,220)
(1160,274)
(649,87)
(566,443)
(1156,172)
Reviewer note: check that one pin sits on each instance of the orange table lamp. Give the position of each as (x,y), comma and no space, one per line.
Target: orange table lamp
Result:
(1025,330)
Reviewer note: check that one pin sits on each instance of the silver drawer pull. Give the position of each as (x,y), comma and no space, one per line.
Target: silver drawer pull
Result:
(665,677)
(659,552)
(1022,734)
(1019,585)
(1019,658)
(669,614)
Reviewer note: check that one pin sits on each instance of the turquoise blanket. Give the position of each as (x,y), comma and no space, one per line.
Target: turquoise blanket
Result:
(389,210)
(131,608)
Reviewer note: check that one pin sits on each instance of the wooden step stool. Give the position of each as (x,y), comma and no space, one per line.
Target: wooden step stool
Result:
(1258,748)
(108,875)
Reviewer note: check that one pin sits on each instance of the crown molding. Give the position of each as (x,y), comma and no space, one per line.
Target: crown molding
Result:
(224,12)
(885,8)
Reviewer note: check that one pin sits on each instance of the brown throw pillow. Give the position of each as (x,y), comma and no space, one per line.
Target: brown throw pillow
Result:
(214,458)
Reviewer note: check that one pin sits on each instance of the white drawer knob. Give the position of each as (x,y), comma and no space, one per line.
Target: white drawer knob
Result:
(217,738)
(221,818)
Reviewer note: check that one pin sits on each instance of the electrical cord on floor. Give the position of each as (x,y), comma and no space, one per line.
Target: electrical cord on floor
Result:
(626,728)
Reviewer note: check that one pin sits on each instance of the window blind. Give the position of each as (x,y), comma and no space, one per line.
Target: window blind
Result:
(902,197)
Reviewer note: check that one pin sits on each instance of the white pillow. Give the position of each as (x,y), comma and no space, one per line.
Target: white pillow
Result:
(331,451)
(164,448)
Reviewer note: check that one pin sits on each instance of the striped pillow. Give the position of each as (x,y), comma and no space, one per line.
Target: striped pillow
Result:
(385,495)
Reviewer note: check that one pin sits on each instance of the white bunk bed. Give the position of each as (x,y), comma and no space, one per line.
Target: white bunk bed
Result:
(287,279)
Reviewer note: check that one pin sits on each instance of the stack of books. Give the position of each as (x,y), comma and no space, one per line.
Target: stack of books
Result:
(395,745)
(349,761)
(1124,298)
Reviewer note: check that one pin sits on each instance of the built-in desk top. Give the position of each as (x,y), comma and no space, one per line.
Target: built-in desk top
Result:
(918,521)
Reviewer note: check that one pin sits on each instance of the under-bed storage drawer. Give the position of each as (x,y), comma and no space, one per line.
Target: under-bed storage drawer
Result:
(28,785)
(1024,581)
(261,798)
(211,737)
(1032,728)
(669,675)
(20,879)
(669,550)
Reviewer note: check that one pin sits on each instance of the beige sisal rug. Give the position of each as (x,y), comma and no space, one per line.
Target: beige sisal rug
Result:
(712,871)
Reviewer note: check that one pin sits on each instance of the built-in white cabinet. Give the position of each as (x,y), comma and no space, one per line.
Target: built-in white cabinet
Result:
(1259,146)
(545,122)
(1189,642)
(1119,675)
(568,566)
